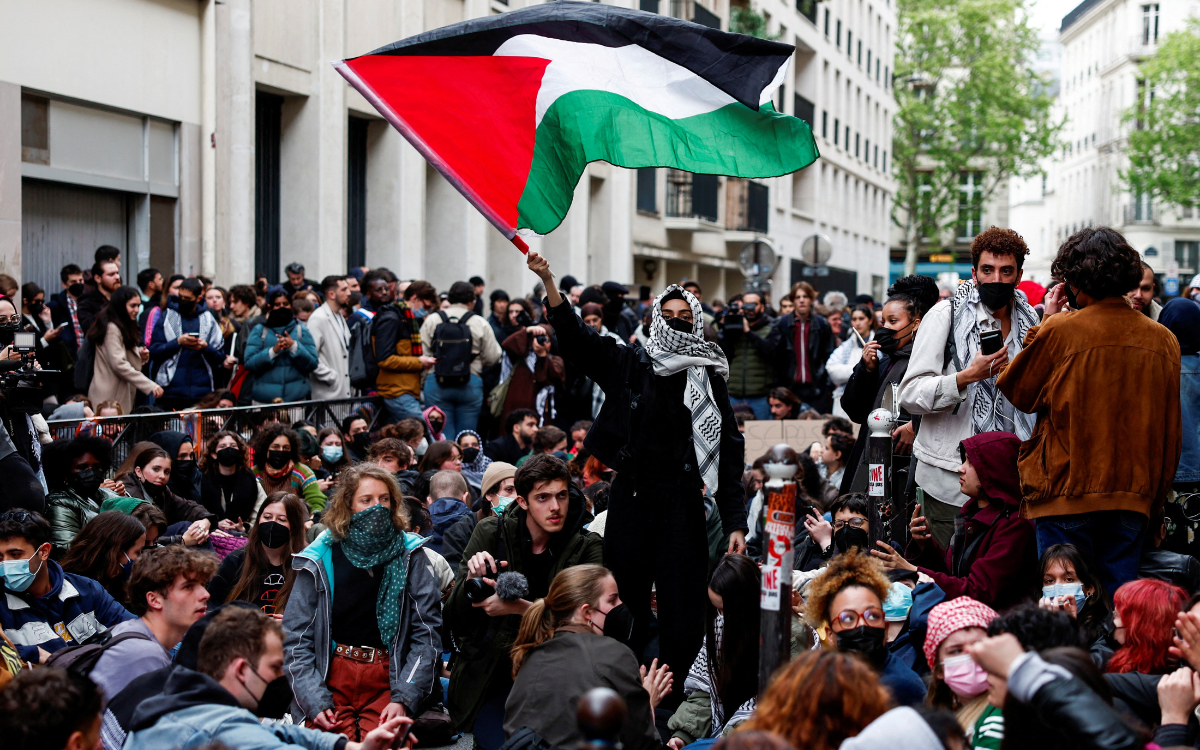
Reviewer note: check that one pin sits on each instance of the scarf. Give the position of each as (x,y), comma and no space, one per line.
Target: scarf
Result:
(473,472)
(436,436)
(985,400)
(413,332)
(671,352)
(703,676)
(373,540)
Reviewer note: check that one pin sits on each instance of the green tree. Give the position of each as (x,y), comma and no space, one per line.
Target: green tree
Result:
(747,20)
(1164,142)
(967,102)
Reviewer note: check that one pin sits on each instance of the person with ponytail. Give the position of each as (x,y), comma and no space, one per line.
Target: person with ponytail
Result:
(568,644)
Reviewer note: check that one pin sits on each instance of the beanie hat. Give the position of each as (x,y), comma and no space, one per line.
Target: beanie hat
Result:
(592,308)
(952,616)
(496,472)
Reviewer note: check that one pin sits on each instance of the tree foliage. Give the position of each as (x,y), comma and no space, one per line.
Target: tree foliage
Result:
(1164,140)
(747,20)
(967,101)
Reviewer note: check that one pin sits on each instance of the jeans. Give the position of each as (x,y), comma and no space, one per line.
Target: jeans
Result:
(1111,539)
(461,404)
(1188,471)
(489,722)
(761,407)
(402,407)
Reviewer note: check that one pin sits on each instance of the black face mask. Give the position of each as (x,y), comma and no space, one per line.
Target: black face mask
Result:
(229,456)
(7,335)
(848,536)
(887,339)
(618,623)
(278,459)
(279,317)
(273,534)
(86,482)
(865,641)
(76,289)
(362,442)
(523,319)
(1071,298)
(469,455)
(183,469)
(996,294)
(645,329)
(187,306)
(678,324)
(35,308)
(275,700)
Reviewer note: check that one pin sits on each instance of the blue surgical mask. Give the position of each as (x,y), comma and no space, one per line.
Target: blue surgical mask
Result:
(331,453)
(1067,589)
(126,568)
(898,602)
(502,503)
(16,573)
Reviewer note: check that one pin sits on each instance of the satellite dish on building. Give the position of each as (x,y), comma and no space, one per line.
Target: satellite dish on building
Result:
(758,259)
(816,250)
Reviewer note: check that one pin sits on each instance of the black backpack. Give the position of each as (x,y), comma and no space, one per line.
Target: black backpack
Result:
(82,658)
(364,368)
(452,346)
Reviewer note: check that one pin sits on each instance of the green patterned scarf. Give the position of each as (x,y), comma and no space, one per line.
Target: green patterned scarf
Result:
(373,540)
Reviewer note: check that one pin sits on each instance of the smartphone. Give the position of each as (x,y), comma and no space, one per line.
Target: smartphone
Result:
(401,737)
(62,325)
(990,342)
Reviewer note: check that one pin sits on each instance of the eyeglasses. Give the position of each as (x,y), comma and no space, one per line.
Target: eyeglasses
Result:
(9,319)
(871,617)
(15,515)
(857,522)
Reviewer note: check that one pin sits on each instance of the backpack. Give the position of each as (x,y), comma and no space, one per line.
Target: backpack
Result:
(452,346)
(364,367)
(85,363)
(82,658)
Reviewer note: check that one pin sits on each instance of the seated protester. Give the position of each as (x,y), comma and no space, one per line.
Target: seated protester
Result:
(906,611)
(1156,562)
(168,596)
(333,458)
(356,439)
(1068,585)
(258,571)
(720,689)
(74,471)
(145,475)
(389,454)
(516,439)
(834,456)
(105,551)
(363,645)
(819,700)
(904,727)
(846,599)
(498,490)
(44,609)
(185,478)
(538,536)
(549,440)
(597,494)
(449,500)
(572,641)
(1144,613)
(410,430)
(957,683)
(50,709)
(474,462)
(444,455)
(238,681)
(278,467)
(821,540)
(783,403)
(992,555)
(228,487)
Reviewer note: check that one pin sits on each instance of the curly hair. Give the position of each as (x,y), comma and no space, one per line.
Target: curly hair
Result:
(999,242)
(917,294)
(819,700)
(1099,261)
(261,442)
(852,568)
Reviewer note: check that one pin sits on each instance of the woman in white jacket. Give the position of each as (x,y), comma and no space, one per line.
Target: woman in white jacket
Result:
(841,363)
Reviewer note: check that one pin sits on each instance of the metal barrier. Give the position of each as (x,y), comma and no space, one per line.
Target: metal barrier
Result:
(200,424)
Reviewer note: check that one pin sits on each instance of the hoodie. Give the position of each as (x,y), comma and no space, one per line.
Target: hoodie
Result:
(993,554)
(184,484)
(194,710)
(445,512)
(899,729)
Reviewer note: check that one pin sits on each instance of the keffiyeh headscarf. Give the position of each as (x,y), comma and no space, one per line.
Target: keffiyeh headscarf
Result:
(671,352)
(473,472)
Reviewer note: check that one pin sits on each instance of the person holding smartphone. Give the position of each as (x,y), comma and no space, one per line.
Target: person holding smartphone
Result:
(951,378)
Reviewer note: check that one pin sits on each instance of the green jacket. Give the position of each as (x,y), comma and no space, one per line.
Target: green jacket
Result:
(68,512)
(483,642)
(751,360)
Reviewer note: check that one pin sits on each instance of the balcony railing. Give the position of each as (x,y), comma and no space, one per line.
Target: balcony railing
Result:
(1141,212)
(747,205)
(691,196)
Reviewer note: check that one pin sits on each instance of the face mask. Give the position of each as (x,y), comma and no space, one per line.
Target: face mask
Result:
(866,641)
(887,339)
(964,676)
(184,469)
(6,336)
(275,700)
(362,442)
(273,534)
(187,307)
(422,447)
(126,568)
(618,623)
(523,319)
(645,329)
(16,573)
(279,318)
(678,324)
(85,482)
(419,312)
(469,455)
(229,456)
(436,425)
(1067,589)
(898,602)
(76,289)
(848,536)
(278,459)
(372,523)
(502,502)
(1071,298)
(35,308)
(331,453)
(996,294)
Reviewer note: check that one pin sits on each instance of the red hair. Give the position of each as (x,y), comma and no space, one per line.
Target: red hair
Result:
(1148,608)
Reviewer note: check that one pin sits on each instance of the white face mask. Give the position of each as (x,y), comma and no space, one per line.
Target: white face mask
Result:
(424,446)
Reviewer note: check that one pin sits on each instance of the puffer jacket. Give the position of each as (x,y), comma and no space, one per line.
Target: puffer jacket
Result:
(68,512)
(993,554)
(751,359)
(396,343)
(185,373)
(415,662)
(285,375)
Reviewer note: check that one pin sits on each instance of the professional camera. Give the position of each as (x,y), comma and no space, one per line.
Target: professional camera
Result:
(509,587)
(733,316)
(23,385)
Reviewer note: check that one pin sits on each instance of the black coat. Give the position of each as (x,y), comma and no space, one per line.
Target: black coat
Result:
(239,505)
(863,394)
(820,346)
(61,313)
(1173,567)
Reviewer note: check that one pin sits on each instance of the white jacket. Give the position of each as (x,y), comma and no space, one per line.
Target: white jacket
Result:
(331,336)
(930,388)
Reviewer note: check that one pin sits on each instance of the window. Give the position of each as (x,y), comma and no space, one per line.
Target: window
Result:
(356,192)
(877,70)
(868,62)
(1186,252)
(847,137)
(887,78)
(803,109)
(849,43)
(883,167)
(824,123)
(877,156)
(836,131)
(856,139)
(1150,24)
(267,122)
(970,204)
(827,23)
(860,52)
(650,6)
(839,34)
(867,150)
(647,190)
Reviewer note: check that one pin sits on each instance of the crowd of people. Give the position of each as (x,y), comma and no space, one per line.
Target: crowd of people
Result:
(555,496)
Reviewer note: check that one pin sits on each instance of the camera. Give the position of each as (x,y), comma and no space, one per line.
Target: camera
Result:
(477,590)
(510,586)
(542,340)
(733,315)
(22,384)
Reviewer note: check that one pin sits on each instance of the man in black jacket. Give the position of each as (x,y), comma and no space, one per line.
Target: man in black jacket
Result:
(520,426)
(802,368)
(498,490)
(107,276)
(668,430)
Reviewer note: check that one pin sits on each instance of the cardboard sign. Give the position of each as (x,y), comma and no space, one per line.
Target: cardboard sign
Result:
(762,434)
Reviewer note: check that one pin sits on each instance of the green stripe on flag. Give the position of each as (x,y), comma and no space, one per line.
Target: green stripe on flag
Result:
(585,126)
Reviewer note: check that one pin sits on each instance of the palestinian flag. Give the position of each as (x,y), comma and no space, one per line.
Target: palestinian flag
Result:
(510,108)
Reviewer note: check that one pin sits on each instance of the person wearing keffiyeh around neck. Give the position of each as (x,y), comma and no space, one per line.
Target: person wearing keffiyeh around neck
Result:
(668,430)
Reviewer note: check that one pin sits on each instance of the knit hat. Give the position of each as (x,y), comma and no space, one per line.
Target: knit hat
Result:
(497,471)
(952,616)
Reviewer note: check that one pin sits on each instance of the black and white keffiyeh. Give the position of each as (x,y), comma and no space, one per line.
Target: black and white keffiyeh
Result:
(671,352)
(985,400)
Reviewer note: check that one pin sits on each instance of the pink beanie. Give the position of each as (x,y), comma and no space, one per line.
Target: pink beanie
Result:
(954,615)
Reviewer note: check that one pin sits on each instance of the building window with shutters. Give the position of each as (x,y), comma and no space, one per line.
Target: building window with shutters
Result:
(1150,24)
(839,35)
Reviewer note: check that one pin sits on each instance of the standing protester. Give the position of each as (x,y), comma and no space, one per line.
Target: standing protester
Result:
(187,345)
(535,376)
(331,339)
(64,307)
(280,354)
(463,344)
(1181,316)
(395,336)
(149,284)
(36,317)
(958,399)
(668,430)
(296,282)
(1142,296)
(120,355)
(106,277)
(750,349)
(805,341)
(1099,371)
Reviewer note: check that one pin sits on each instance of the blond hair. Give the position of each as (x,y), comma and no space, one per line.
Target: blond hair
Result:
(570,590)
(340,508)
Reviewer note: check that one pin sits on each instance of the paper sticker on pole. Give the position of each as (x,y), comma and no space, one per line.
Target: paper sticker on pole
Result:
(875,480)
(772,581)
